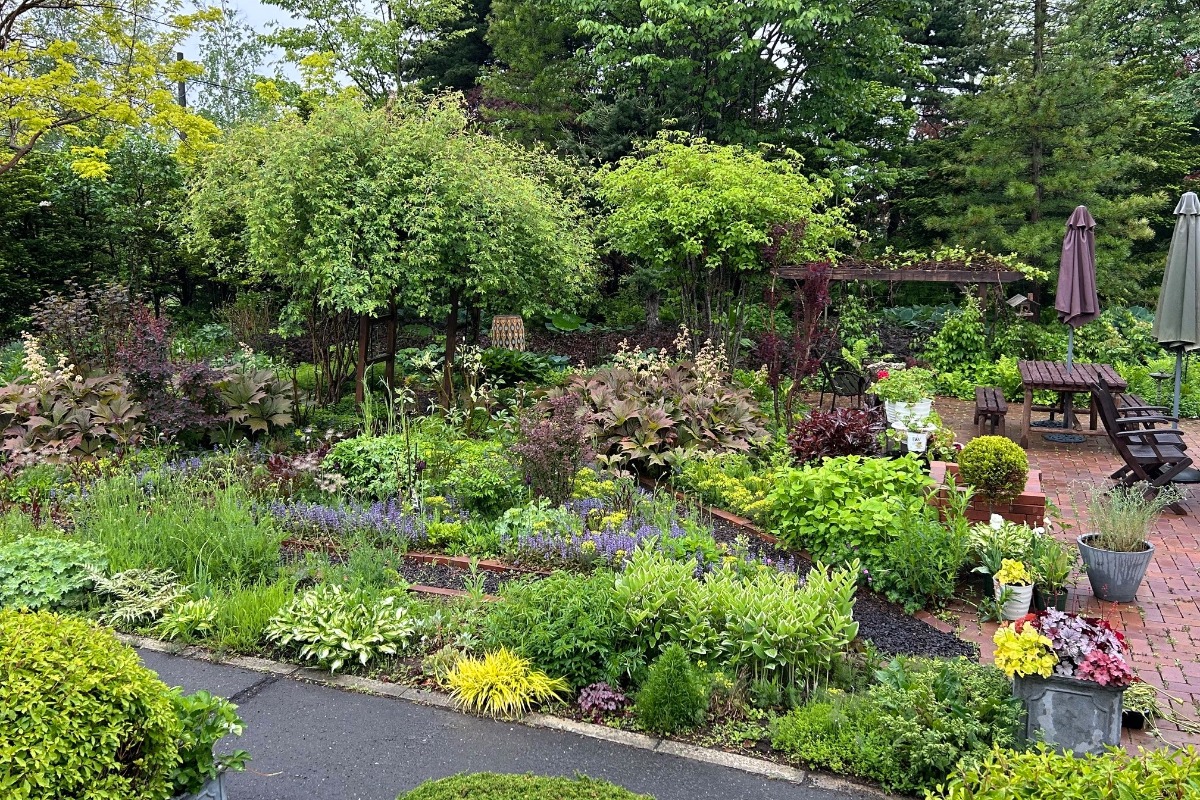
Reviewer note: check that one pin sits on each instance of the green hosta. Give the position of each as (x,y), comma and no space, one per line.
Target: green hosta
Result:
(332,626)
(44,572)
(189,619)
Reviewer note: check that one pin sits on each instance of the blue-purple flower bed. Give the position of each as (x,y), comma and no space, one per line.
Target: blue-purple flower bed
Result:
(387,518)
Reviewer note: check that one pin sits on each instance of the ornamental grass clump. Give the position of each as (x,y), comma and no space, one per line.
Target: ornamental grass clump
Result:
(995,466)
(1122,516)
(1063,644)
(501,684)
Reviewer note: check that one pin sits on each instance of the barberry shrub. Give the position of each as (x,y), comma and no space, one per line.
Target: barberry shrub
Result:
(552,448)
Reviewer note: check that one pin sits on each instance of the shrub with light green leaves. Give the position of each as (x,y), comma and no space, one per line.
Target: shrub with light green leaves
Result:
(910,729)
(80,717)
(995,466)
(847,507)
(331,626)
(766,623)
(1007,775)
(46,572)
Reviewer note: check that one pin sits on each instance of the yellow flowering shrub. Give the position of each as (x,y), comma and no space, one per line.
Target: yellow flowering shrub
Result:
(1025,652)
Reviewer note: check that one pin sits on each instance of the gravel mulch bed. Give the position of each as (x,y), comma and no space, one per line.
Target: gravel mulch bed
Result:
(444,576)
(885,624)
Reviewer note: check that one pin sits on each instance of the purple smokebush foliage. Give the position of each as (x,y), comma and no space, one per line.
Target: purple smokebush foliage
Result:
(600,699)
(552,447)
(841,432)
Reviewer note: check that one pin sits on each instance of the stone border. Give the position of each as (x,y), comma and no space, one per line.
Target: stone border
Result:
(355,683)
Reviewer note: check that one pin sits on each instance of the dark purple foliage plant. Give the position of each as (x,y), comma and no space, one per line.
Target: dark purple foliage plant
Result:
(600,699)
(840,432)
(553,447)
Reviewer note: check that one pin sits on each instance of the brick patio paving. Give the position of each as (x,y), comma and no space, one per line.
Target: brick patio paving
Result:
(1163,627)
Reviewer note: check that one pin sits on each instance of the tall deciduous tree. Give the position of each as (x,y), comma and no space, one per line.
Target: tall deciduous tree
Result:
(698,215)
(74,68)
(353,208)
(381,45)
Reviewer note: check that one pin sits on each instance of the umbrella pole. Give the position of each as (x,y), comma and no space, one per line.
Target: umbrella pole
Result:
(1070,346)
(1178,383)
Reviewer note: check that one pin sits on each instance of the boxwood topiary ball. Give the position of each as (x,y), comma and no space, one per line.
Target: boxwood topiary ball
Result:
(995,466)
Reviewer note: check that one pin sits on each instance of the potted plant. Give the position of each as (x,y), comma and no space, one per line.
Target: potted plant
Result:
(1053,566)
(1013,584)
(995,466)
(1069,673)
(200,773)
(989,543)
(907,395)
(1117,552)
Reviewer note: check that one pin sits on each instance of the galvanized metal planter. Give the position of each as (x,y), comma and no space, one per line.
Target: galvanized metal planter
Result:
(1076,716)
(1115,577)
(213,790)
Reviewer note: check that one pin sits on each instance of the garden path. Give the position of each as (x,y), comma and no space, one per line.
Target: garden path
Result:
(324,743)
(1163,626)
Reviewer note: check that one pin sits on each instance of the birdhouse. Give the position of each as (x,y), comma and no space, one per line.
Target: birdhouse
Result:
(1023,306)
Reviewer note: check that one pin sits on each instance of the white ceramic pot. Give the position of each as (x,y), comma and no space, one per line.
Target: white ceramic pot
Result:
(911,415)
(1019,598)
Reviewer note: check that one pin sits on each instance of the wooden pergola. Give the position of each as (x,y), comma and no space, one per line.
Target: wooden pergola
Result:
(978,271)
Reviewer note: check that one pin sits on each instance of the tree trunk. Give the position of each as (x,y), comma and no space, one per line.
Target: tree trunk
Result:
(653,302)
(451,342)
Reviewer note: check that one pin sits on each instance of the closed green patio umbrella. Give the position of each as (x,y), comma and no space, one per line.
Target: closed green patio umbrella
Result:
(1177,321)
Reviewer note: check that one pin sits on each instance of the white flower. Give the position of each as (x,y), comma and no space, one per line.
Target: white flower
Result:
(996,522)
(1039,531)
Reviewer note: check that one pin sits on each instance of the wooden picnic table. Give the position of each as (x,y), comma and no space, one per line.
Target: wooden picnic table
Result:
(1054,376)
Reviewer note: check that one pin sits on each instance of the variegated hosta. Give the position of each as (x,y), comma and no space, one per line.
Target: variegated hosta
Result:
(256,398)
(62,416)
(332,626)
(642,417)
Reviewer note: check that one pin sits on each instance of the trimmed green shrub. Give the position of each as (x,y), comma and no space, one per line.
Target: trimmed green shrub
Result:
(43,571)
(995,466)
(80,717)
(1006,775)
(490,786)
(675,694)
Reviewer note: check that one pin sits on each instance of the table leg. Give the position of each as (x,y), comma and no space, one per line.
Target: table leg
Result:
(1026,414)
(1068,401)
(1092,412)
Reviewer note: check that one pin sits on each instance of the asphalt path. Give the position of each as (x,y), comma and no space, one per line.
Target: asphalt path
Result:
(319,742)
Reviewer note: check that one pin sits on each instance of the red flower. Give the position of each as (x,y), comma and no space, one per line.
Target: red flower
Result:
(883,373)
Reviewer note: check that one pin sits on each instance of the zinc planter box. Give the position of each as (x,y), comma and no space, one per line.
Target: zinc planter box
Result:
(213,790)
(1028,507)
(1075,716)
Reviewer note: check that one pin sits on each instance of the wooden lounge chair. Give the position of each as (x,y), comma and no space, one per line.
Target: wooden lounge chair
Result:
(1152,455)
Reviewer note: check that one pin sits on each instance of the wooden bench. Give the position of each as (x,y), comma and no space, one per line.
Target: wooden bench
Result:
(990,408)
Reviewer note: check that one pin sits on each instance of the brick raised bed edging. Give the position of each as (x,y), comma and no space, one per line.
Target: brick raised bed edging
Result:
(1028,507)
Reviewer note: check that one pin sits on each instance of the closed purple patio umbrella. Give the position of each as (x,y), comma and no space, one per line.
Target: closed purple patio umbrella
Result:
(1076,301)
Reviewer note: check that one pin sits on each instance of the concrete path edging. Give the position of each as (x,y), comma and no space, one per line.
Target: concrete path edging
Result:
(355,683)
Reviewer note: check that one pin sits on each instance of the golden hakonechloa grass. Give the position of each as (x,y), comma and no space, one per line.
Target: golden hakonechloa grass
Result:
(501,684)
